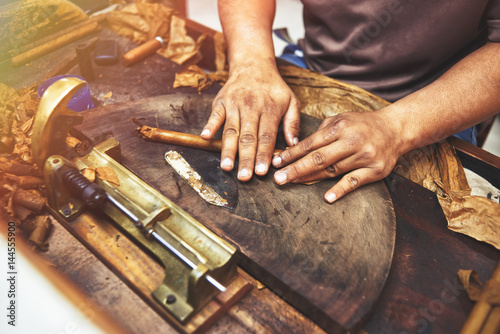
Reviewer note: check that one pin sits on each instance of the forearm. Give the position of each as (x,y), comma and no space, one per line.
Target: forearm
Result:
(247,26)
(465,95)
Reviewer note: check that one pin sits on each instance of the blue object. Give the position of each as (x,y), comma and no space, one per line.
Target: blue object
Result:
(79,102)
(469,135)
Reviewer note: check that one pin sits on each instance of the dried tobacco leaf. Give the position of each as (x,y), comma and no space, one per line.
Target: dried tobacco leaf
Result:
(107,174)
(89,173)
(477,217)
(40,232)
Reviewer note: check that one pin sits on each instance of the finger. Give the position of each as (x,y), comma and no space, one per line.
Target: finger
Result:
(215,120)
(326,173)
(350,182)
(319,139)
(313,162)
(247,145)
(268,130)
(230,136)
(336,169)
(291,123)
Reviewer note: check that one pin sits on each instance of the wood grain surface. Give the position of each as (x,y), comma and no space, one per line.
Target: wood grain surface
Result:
(329,261)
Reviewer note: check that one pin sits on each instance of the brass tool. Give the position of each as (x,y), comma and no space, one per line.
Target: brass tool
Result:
(195,259)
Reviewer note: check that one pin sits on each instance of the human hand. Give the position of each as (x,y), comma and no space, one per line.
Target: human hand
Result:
(364,146)
(252,103)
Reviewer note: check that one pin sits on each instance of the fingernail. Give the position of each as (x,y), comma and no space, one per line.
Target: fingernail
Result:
(280,177)
(295,141)
(227,163)
(205,132)
(277,161)
(331,197)
(260,168)
(243,173)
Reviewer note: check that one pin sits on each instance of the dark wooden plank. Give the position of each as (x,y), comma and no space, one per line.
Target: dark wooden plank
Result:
(290,238)
(423,293)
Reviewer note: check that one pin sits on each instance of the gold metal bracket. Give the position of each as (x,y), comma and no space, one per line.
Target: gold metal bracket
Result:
(185,288)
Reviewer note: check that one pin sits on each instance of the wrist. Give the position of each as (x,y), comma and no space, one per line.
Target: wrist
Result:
(398,128)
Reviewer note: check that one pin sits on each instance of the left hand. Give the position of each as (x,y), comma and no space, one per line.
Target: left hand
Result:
(363,146)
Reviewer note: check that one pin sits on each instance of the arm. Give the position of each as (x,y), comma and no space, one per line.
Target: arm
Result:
(366,146)
(255,97)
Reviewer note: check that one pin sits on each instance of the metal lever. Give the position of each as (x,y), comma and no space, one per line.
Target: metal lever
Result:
(94,197)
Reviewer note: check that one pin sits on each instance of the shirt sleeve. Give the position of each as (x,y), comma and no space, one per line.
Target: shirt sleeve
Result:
(493,20)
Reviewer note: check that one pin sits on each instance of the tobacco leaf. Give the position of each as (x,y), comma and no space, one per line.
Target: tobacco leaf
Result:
(477,291)
(89,173)
(40,232)
(475,216)
(107,174)
(142,22)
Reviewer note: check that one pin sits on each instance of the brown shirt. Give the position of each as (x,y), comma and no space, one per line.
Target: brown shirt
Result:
(394,47)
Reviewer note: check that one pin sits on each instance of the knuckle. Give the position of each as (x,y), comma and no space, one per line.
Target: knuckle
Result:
(247,139)
(266,138)
(307,144)
(230,132)
(249,100)
(330,170)
(352,181)
(318,159)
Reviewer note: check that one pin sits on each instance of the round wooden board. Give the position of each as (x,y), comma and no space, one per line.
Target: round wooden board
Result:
(328,261)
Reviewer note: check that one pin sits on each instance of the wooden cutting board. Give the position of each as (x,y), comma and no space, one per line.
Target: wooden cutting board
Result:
(328,261)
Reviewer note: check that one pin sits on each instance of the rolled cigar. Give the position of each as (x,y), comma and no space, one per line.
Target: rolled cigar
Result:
(183,139)
(139,53)
(54,44)
(58,34)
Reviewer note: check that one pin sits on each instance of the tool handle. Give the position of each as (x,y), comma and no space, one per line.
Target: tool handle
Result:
(142,51)
(183,139)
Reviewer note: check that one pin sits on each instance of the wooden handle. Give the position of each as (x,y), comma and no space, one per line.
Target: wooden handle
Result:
(141,52)
(183,139)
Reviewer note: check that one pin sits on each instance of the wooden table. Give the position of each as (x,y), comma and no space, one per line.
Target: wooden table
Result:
(422,293)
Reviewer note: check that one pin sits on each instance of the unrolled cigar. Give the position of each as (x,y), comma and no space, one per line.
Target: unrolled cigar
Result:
(183,139)
(54,44)
(144,50)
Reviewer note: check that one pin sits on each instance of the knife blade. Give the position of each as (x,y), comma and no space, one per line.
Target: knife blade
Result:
(213,185)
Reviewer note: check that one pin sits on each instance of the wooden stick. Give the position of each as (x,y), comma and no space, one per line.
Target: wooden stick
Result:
(183,139)
(481,311)
(54,44)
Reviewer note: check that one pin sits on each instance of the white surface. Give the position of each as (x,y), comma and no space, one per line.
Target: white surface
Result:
(40,307)
(288,14)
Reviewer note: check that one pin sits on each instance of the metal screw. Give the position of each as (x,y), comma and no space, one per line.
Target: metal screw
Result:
(170,299)
(66,211)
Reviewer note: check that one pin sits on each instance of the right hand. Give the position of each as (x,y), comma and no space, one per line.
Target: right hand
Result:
(252,103)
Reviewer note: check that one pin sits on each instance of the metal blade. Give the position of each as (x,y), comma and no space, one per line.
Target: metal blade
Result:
(214,186)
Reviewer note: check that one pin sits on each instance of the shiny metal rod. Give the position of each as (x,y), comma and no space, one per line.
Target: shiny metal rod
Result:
(164,242)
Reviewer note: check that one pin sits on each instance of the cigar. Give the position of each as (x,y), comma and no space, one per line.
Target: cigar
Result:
(183,139)
(142,51)
(54,44)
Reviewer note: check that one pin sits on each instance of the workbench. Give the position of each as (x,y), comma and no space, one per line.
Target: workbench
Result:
(422,292)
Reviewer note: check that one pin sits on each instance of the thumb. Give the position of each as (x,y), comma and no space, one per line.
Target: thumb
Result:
(291,122)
